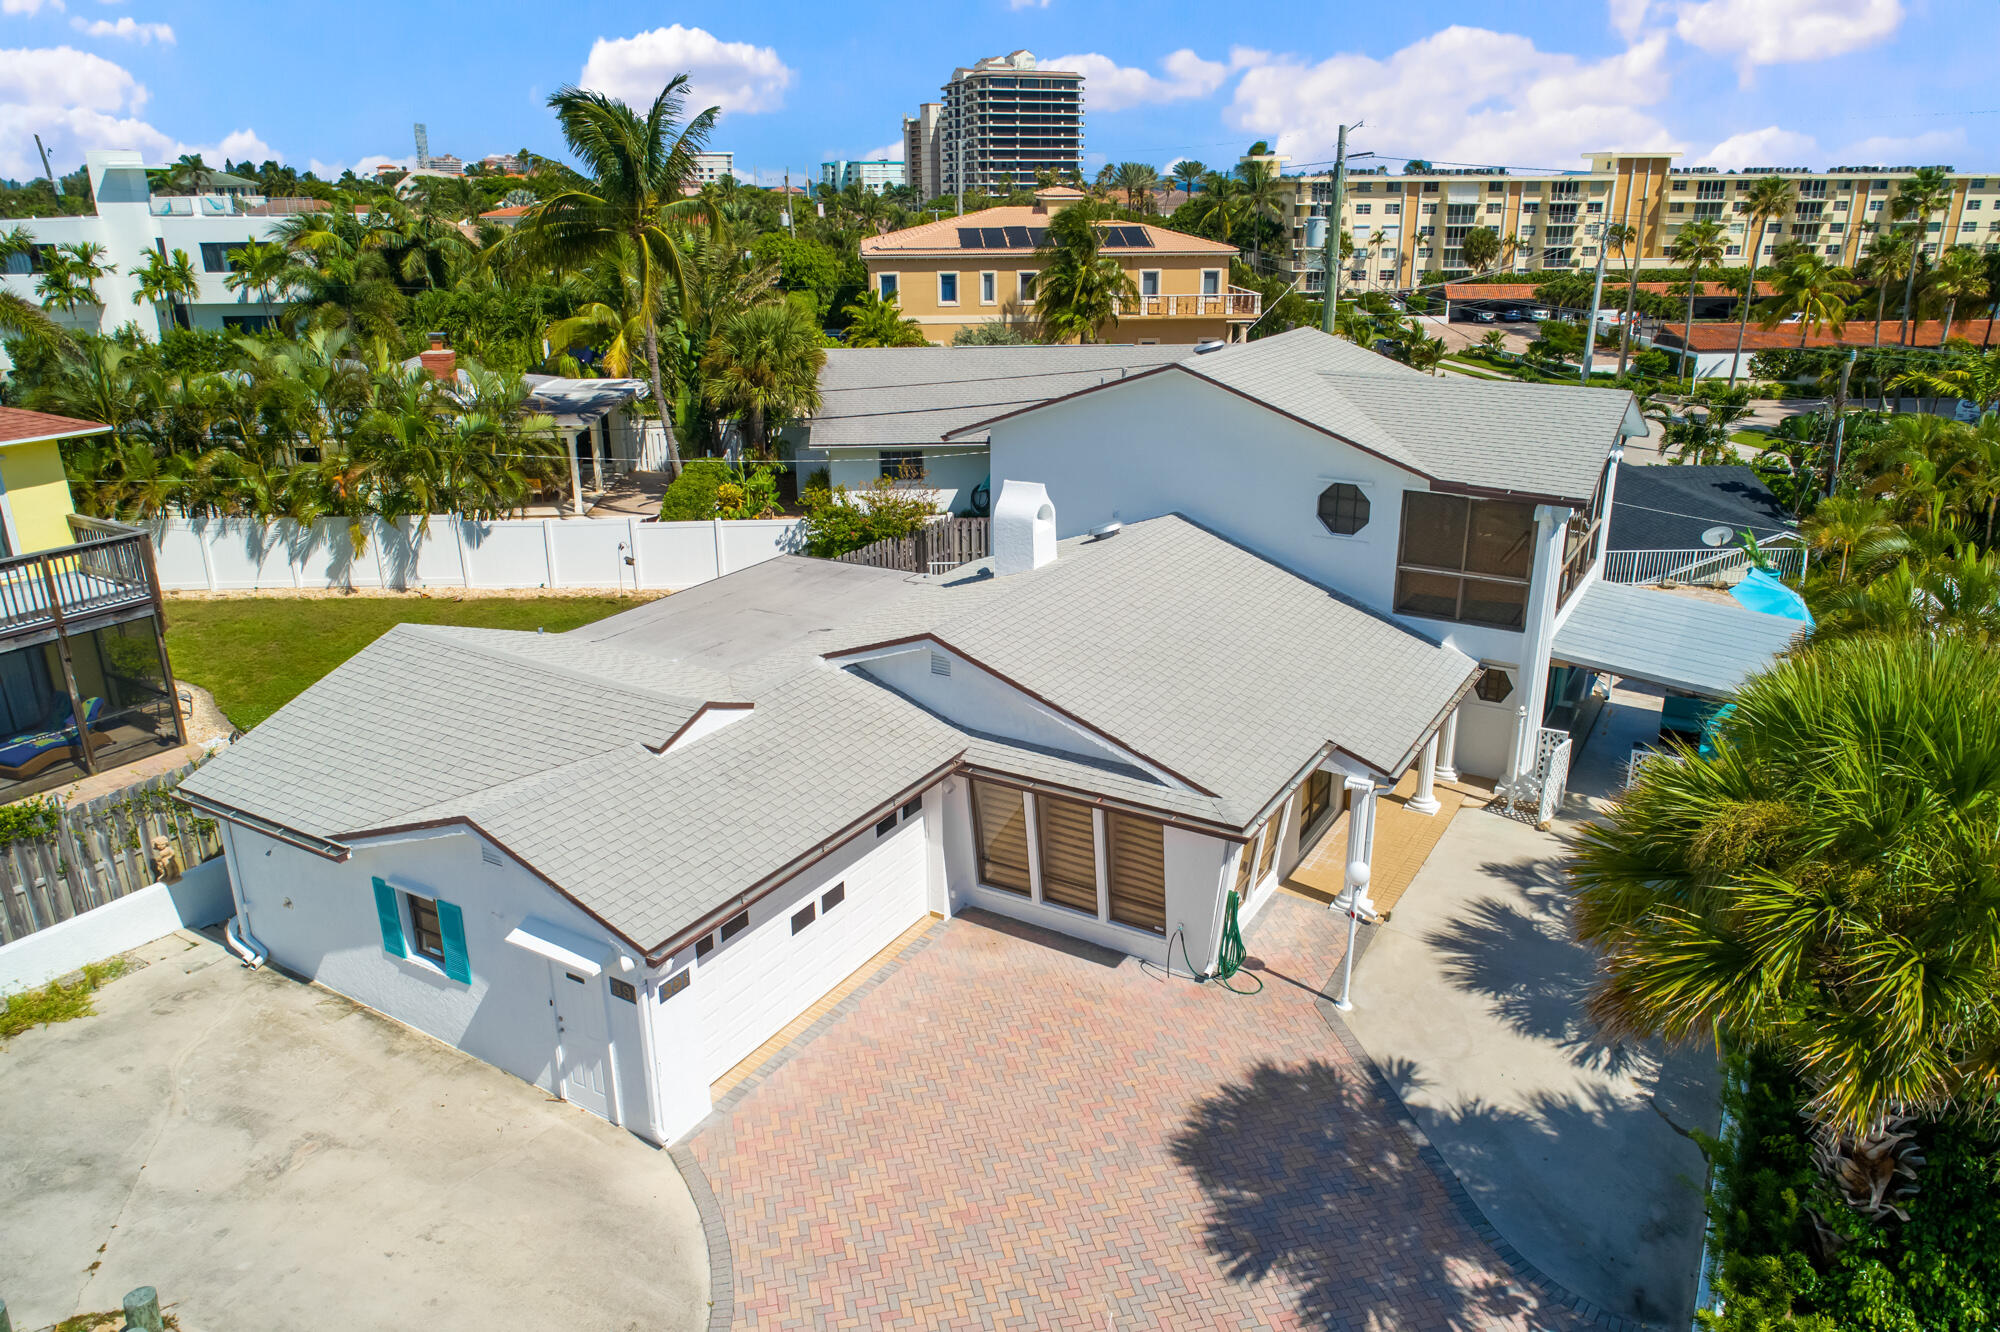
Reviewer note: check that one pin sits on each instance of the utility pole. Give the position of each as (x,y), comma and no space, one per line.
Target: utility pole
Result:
(1840,417)
(1596,295)
(45,167)
(790,229)
(1329,317)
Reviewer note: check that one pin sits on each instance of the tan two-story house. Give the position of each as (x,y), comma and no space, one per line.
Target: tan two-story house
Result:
(959,272)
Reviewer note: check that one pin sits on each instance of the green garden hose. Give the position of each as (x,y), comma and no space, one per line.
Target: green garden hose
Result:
(1230,959)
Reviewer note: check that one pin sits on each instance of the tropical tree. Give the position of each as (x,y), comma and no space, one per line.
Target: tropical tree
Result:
(69,278)
(1222,207)
(876,321)
(1138,180)
(166,282)
(1188,174)
(1822,888)
(763,365)
(1079,288)
(1480,248)
(1953,596)
(260,266)
(1959,276)
(1920,195)
(1699,247)
(1888,253)
(1845,522)
(1262,193)
(1624,237)
(632,200)
(1770,199)
(1814,291)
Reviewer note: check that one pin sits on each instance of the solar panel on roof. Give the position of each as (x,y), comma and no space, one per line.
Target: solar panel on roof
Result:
(1127,238)
(1017,238)
(968,239)
(1037,236)
(996,237)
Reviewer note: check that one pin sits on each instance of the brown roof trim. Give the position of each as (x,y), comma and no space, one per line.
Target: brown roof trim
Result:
(699,713)
(320,846)
(1001,777)
(1014,684)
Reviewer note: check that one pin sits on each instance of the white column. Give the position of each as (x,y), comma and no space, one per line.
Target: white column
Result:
(1425,801)
(1537,638)
(575,476)
(1360,845)
(1447,759)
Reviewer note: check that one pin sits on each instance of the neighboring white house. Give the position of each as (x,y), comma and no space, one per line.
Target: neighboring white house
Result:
(616,861)
(130,220)
(1471,511)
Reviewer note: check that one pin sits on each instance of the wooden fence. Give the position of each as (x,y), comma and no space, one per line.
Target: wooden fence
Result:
(937,548)
(98,852)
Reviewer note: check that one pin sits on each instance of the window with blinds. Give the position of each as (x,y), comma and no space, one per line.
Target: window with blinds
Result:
(1069,853)
(1269,853)
(1243,868)
(1138,871)
(1000,825)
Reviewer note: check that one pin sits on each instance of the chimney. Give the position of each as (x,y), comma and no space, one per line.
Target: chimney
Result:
(1052,199)
(1024,528)
(439,360)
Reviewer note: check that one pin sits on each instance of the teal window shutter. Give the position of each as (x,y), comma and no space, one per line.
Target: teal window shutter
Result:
(391,915)
(451,924)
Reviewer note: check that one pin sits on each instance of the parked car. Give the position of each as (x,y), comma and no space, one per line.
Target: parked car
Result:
(1510,316)
(1538,313)
(1483,316)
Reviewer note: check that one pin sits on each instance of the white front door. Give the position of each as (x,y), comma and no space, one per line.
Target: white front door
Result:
(584,1057)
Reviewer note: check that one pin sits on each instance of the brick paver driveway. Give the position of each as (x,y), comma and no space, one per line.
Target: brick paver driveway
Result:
(1009,1132)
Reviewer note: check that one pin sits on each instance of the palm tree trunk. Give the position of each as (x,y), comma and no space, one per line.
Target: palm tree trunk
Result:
(1881,302)
(1687,336)
(1910,285)
(1631,309)
(660,401)
(1749,291)
(1950,307)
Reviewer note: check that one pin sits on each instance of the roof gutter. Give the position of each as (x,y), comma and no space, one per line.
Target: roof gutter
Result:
(319,846)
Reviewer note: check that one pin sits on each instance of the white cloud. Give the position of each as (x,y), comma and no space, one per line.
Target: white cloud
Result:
(1776,32)
(1770,146)
(1027,4)
(29,6)
(888,152)
(78,101)
(1109,86)
(124,27)
(1506,102)
(1628,17)
(735,76)
(1907,150)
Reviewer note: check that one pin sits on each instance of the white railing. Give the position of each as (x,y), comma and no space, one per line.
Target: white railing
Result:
(1236,303)
(1724,565)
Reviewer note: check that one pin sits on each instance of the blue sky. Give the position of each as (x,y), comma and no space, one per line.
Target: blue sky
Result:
(1728,82)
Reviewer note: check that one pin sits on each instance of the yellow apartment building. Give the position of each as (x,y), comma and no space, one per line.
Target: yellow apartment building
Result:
(959,272)
(1407,228)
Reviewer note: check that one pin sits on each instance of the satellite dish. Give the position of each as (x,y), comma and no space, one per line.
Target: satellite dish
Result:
(1720,535)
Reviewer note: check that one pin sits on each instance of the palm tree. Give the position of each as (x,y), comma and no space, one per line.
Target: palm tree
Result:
(1262,195)
(19,316)
(1844,522)
(1771,198)
(1624,237)
(1807,286)
(1699,247)
(1188,174)
(1480,248)
(632,200)
(69,281)
(1920,195)
(1222,206)
(1138,180)
(764,363)
(1888,252)
(259,266)
(1079,289)
(876,321)
(165,282)
(1959,276)
(1822,888)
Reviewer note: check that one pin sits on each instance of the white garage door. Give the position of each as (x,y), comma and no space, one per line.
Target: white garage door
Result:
(771,972)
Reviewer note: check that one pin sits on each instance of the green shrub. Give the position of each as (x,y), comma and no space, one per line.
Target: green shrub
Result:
(1653,363)
(837,522)
(56,1002)
(691,497)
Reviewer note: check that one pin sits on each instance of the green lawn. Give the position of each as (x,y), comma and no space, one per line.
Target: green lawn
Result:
(255,655)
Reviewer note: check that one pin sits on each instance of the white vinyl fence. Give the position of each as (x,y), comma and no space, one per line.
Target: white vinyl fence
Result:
(239,554)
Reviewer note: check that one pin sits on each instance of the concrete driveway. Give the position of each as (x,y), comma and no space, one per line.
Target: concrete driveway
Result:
(269,1154)
(1470,1000)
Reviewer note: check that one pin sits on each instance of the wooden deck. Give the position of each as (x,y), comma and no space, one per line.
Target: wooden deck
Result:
(1403,841)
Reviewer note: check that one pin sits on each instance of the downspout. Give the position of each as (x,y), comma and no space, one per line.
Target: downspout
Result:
(237,933)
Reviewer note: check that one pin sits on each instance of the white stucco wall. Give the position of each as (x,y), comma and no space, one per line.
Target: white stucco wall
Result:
(952,470)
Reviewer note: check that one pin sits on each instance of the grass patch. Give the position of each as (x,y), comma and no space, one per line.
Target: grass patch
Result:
(107,1322)
(1756,439)
(56,1002)
(258,654)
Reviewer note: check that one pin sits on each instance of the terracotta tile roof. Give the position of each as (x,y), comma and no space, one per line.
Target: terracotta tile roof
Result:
(18,426)
(941,236)
(1525,291)
(512,210)
(1858,333)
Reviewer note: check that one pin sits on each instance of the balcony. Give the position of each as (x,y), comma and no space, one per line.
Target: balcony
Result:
(1236,303)
(81,637)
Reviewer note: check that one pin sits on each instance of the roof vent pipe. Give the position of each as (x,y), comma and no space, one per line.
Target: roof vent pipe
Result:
(1024,528)
(1209,345)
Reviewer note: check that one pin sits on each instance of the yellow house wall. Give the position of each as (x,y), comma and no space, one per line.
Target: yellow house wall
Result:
(917,295)
(37,494)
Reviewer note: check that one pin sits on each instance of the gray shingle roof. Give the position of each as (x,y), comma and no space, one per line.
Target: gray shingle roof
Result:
(1195,654)
(1541,440)
(1669,507)
(889,396)
(1683,642)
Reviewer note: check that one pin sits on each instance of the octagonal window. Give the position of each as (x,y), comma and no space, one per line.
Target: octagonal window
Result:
(1343,508)
(1494,686)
